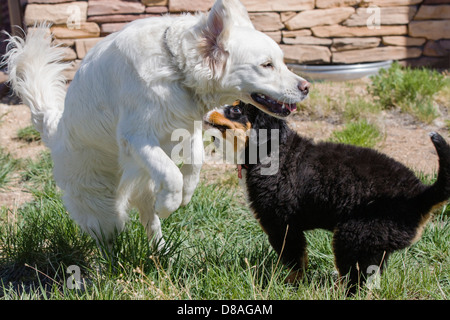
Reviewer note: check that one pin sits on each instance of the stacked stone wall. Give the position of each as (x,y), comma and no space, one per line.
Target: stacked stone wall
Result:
(309,31)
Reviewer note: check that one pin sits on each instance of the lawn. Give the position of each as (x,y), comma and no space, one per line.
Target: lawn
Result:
(215,248)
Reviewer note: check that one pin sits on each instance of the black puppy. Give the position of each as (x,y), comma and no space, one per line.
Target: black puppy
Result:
(372,203)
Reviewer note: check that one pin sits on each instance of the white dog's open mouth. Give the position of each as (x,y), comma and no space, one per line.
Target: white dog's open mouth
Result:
(280,108)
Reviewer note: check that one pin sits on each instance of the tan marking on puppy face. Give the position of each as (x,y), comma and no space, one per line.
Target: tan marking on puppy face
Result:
(235,132)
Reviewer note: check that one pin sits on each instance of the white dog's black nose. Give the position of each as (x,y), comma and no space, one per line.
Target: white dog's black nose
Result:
(303,86)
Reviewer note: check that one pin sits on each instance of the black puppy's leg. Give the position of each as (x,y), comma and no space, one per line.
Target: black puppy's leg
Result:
(290,244)
(357,254)
(346,265)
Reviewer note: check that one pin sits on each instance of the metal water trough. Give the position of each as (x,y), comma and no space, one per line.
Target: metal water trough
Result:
(339,72)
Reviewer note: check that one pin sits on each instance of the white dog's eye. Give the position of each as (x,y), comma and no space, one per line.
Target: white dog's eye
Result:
(268,65)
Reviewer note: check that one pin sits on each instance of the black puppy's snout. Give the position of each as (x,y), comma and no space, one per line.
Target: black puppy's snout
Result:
(303,86)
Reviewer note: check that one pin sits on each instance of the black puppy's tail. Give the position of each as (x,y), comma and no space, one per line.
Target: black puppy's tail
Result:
(440,190)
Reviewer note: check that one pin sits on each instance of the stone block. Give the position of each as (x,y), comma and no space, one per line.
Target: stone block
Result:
(86,30)
(435,49)
(157,10)
(324,4)
(388,3)
(190,5)
(308,40)
(266,21)
(60,13)
(275,35)
(342,44)
(432,30)
(64,42)
(69,54)
(433,12)
(403,41)
(108,28)
(388,16)
(119,18)
(285,16)
(344,31)
(445,44)
(155,3)
(47,1)
(106,7)
(435,2)
(306,54)
(311,18)
(82,46)
(296,33)
(278,5)
(376,54)
(429,62)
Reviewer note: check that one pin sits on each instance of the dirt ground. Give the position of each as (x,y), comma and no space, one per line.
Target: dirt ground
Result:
(405,140)
(407,143)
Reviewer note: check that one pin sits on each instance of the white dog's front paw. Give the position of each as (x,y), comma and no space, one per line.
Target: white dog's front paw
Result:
(167,202)
(159,245)
(187,195)
(190,182)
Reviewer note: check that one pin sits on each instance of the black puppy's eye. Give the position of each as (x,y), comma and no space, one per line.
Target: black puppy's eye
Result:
(236,110)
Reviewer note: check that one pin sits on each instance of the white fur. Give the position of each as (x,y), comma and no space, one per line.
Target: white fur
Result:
(110,138)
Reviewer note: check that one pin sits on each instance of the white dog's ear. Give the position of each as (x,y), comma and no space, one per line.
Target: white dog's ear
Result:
(223,16)
(238,13)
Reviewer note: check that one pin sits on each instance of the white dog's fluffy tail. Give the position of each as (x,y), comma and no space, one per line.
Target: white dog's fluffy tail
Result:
(36,76)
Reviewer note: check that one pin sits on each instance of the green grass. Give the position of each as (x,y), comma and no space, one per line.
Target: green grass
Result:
(410,89)
(360,133)
(358,107)
(7,166)
(216,250)
(420,92)
(29,134)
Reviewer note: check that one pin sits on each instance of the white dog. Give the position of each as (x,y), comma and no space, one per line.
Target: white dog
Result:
(110,134)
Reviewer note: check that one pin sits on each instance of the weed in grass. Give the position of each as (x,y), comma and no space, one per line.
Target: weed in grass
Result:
(358,107)
(28,134)
(348,104)
(443,96)
(7,166)
(39,175)
(410,89)
(322,102)
(361,133)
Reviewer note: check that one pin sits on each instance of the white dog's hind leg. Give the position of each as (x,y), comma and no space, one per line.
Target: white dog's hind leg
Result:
(97,216)
(136,190)
(149,220)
